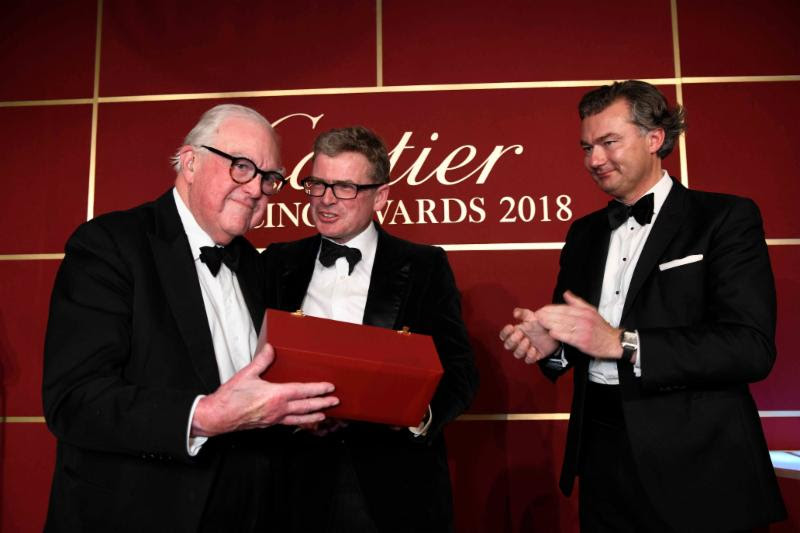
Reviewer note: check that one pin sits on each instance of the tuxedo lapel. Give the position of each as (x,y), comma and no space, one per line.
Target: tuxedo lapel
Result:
(389,283)
(294,279)
(173,260)
(592,252)
(670,219)
(251,280)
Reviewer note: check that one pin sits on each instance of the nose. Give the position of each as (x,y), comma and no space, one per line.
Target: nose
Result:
(253,187)
(595,157)
(328,197)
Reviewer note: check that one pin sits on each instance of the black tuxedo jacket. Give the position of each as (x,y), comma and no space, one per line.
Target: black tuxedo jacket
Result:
(128,349)
(405,479)
(706,330)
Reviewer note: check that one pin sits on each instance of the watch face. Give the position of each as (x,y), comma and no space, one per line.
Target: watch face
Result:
(630,340)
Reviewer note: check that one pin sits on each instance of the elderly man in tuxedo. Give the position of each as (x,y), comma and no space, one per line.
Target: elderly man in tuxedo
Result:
(150,382)
(361,476)
(665,312)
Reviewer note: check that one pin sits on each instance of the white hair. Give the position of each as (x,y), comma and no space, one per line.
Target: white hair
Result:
(206,129)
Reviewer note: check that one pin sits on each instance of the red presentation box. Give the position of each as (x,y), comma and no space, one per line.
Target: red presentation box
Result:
(381,375)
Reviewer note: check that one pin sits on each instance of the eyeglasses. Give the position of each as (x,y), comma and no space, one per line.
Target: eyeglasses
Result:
(341,189)
(243,170)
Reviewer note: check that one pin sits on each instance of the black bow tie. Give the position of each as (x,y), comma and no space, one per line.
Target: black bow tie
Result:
(331,251)
(214,256)
(642,211)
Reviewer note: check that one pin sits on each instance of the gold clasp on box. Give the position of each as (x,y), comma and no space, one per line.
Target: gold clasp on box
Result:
(299,312)
(404,331)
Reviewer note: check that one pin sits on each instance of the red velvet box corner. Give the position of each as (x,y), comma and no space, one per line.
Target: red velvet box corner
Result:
(380,375)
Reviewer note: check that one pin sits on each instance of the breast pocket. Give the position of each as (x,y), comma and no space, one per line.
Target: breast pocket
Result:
(681,289)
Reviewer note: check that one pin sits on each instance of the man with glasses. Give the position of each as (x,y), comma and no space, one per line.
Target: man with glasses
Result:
(150,382)
(360,476)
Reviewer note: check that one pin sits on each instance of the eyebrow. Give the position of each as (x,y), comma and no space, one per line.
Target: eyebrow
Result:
(600,139)
(280,168)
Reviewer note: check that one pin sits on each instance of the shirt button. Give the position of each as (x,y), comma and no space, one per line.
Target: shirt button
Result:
(624,258)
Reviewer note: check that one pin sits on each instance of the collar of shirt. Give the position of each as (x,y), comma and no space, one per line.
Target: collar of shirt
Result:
(196,235)
(367,243)
(660,192)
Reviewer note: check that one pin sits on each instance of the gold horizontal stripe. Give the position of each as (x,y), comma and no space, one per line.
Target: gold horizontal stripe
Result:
(369,90)
(782,242)
(494,417)
(500,246)
(26,257)
(738,79)
(35,103)
(442,87)
(22,419)
(508,417)
(478,247)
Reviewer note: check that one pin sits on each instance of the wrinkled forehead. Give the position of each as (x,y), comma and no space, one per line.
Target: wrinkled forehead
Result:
(246,137)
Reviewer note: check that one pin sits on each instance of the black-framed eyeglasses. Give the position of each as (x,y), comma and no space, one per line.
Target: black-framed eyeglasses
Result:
(342,190)
(243,170)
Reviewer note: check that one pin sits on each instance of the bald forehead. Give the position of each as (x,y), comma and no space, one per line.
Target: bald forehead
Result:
(244,136)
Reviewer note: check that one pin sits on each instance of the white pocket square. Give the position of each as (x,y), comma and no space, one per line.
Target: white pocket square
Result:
(680,262)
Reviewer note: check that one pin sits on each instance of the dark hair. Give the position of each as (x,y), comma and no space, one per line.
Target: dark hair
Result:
(360,140)
(649,109)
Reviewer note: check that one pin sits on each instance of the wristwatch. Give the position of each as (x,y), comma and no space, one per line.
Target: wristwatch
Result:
(630,344)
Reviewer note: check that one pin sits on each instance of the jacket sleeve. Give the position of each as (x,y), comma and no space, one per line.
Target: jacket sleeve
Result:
(733,341)
(553,367)
(460,380)
(92,399)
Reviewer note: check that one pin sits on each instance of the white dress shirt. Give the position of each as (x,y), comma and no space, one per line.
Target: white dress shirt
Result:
(334,294)
(229,320)
(624,249)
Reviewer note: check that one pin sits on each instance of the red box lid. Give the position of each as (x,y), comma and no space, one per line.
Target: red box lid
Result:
(381,375)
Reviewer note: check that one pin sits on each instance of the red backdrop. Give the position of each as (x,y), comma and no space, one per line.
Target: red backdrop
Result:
(477,102)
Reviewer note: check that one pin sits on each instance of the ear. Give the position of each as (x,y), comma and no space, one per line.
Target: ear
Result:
(655,139)
(381,195)
(186,156)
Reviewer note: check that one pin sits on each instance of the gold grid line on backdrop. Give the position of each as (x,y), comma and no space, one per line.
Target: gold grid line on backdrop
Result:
(490,417)
(379,43)
(95,111)
(441,87)
(676,59)
(479,247)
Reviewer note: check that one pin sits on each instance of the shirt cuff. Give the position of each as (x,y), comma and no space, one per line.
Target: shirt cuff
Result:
(637,365)
(193,444)
(422,429)
(558,356)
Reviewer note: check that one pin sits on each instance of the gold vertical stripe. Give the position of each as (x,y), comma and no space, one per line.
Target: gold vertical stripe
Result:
(676,49)
(379,43)
(676,58)
(95,106)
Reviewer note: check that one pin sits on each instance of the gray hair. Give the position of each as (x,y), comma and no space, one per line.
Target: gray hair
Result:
(206,129)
